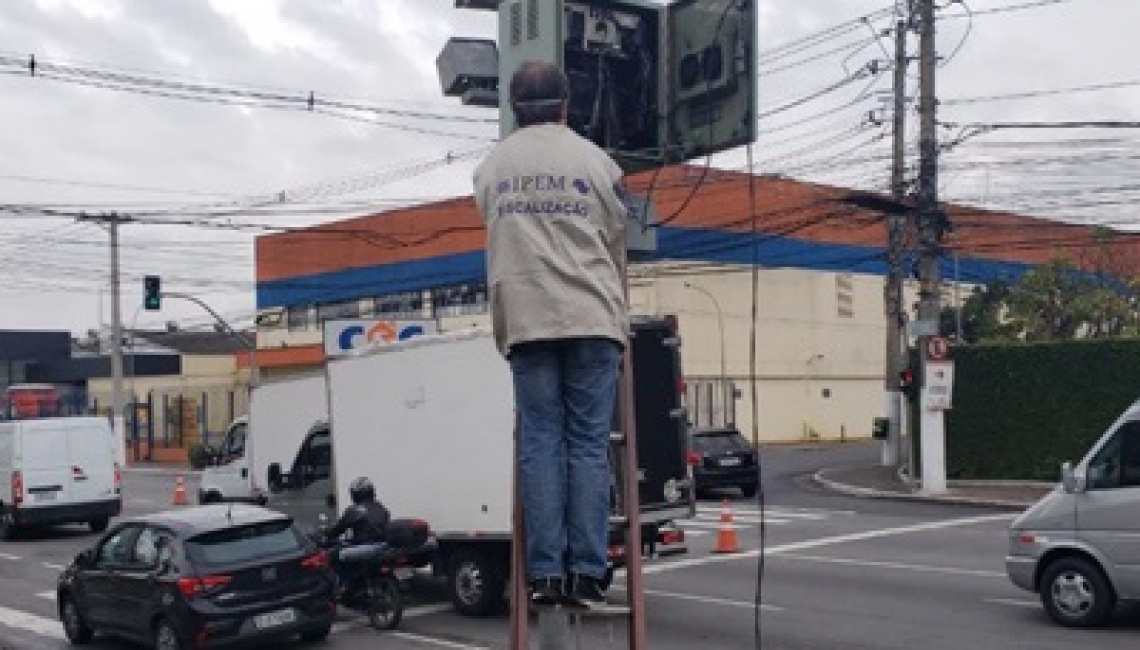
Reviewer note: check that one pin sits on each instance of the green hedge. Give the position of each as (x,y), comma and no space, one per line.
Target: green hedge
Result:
(1021,410)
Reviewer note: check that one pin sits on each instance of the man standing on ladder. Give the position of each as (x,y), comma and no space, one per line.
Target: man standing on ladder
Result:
(556,256)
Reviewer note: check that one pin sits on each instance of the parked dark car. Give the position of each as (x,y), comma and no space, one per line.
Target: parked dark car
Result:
(202,577)
(722,458)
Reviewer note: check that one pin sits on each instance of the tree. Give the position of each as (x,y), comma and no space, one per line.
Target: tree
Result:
(1055,301)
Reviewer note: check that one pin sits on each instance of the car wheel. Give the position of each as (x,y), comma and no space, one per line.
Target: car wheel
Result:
(99,524)
(8,529)
(476,583)
(749,491)
(166,638)
(316,634)
(74,625)
(1075,593)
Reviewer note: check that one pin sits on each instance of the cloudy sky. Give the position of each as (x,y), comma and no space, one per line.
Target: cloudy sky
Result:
(71,144)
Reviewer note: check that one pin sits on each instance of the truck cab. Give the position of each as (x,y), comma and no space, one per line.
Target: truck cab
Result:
(227,478)
(307,491)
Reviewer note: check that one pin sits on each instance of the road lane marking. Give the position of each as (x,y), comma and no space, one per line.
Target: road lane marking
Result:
(14,618)
(7,556)
(709,600)
(442,643)
(895,565)
(753,513)
(424,610)
(826,541)
(692,523)
(54,567)
(51,628)
(739,520)
(1015,603)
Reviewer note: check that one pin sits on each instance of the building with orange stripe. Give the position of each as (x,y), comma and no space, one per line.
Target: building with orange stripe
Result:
(820,325)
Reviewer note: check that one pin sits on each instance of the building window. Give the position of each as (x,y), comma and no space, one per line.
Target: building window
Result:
(346,309)
(844,295)
(299,318)
(408,304)
(460,300)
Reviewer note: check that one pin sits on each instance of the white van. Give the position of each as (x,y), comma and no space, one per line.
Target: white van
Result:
(56,471)
(1079,546)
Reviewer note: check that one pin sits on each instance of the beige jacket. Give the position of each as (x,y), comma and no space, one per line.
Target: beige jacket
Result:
(555,238)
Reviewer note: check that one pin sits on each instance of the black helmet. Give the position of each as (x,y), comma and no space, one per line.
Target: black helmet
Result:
(362,490)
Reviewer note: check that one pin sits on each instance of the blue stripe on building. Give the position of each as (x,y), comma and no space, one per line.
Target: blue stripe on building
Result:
(677,244)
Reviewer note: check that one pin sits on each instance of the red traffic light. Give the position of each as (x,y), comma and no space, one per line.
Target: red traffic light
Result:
(906,378)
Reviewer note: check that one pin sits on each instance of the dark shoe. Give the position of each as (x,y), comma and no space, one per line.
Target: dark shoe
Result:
(547,592)
(585,591)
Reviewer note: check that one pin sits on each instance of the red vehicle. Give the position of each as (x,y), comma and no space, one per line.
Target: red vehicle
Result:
(23,401)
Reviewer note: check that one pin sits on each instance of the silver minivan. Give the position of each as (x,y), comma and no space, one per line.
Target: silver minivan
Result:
(1079,546)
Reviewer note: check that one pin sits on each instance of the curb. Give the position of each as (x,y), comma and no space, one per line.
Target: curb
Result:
(853,490)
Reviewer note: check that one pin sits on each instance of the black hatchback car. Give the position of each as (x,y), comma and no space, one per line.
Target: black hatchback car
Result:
(722,458)
(202,577)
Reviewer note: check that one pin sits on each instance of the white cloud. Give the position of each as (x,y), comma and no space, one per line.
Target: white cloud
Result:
(382,52)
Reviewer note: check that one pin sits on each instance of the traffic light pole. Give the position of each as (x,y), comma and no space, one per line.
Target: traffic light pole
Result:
(249,342)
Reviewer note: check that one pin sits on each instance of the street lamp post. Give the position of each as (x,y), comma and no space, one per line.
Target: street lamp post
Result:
(726,394)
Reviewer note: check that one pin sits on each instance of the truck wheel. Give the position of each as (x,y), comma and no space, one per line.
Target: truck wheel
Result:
(1075,593)
(749,491)
(206,498)
(475,581)
(98,524)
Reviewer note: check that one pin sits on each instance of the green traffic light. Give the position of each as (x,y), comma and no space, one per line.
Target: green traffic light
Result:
(152,293)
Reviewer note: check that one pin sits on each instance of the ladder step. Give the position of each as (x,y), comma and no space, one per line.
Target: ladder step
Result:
(678,413)
(617,437)
(619,520)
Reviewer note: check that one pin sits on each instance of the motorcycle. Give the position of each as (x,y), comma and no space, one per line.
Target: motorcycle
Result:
(372,576)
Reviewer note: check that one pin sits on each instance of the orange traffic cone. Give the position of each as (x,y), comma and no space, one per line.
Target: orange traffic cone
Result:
(726,536)
(180,498)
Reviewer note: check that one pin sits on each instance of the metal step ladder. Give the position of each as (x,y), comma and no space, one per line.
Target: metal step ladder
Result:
(558,627)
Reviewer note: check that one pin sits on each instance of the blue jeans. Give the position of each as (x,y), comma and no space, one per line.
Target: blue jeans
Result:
(565,391)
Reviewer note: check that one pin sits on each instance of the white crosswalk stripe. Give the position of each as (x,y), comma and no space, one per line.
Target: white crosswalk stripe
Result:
(707,519)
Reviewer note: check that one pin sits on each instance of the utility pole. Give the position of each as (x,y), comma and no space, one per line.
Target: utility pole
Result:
(892,447)
(118,401)
(932,226)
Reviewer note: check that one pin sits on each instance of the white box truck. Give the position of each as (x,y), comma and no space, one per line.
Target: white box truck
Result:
(431,422)
(281,413)
(58,471)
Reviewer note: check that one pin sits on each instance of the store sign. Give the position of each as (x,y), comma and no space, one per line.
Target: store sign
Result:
(344,337)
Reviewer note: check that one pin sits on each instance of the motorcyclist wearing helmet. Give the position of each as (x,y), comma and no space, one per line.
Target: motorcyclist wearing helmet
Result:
(366,519)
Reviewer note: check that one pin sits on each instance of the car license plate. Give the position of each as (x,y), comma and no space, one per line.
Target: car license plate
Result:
(729,462)
(44,496)
(274,619)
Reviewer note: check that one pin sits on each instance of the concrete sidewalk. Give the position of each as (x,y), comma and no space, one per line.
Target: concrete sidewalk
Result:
(884,483)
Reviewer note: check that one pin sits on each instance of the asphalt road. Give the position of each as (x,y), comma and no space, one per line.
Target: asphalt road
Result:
(838,573)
